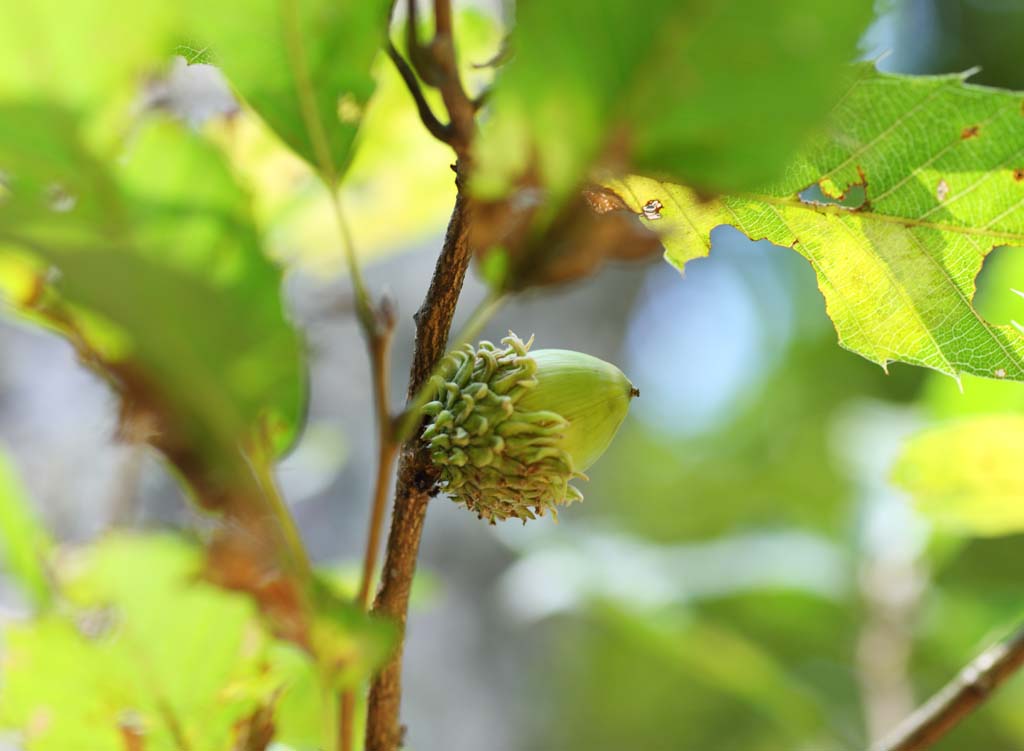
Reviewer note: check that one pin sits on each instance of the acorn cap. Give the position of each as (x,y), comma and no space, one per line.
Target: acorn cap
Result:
(509,428)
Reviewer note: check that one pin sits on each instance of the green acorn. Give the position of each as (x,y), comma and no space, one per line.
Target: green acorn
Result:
(509,428)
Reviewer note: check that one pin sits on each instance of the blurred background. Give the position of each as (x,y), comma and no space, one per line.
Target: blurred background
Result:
(741,574)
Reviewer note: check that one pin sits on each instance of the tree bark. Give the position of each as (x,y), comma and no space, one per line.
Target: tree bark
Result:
(416,477)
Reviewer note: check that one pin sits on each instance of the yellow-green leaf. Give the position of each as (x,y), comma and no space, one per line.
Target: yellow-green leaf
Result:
(24,543)
(915,180)
(967,475)
(303,65)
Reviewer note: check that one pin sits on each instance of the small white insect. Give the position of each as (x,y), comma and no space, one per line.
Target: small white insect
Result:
(942,190)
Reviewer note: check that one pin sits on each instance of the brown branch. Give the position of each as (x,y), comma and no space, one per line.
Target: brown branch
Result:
(421,61)
(946,709)
(379,337)
(442,18)
(437,129)
(460,107)
(380,350)
(416,476)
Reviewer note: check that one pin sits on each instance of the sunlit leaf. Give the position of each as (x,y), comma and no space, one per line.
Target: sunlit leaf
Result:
(967,475)
(113,664)
(998,300)
(85,55)
(933,181)
(142,645)
(24,544)
(303,65)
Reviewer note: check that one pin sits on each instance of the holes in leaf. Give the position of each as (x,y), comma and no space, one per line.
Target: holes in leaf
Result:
(853,198)
(997,298)
(827,192)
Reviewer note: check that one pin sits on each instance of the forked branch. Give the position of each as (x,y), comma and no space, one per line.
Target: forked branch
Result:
(436,64)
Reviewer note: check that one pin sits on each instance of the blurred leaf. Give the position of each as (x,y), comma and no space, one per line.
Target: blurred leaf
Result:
(303,65)
(153,270)
(967,475)
(24,543)
(670,680)
(716,94)
(349,644)
(590,228)
(114,664)
(88,56)
(775,461)
(397,189)
(136,614)
(940,181)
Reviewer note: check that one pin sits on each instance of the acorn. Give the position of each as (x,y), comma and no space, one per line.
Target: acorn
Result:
(509,428)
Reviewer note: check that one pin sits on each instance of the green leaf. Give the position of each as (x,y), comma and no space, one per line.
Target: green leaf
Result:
(716,94)
(348,643)
(932,181)
(111,664)
(110,660)
(967,475)
(24,543)
(153,270)
(160,280)
(627,680)
(83,54)
(397,190)
(303,65)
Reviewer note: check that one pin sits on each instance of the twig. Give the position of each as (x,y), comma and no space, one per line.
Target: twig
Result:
(416,476)
(442,18)
(946,709)
(124,507)
(437,129)
(387,448)
(378,325)
(421,61)
(449,83)
(436,64)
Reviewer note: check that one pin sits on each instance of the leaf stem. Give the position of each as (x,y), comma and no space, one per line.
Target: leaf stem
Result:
(377,324)
(295,548)
(371,323)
